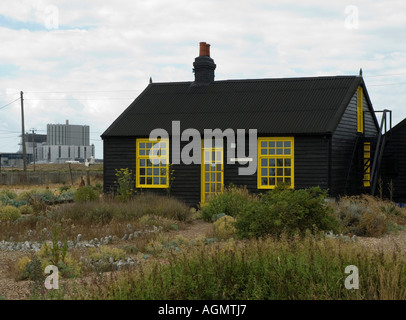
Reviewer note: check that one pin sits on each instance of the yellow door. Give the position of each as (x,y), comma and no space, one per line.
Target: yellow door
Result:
(211,172)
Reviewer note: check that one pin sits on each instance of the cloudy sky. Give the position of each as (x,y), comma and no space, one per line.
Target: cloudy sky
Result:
(86,61)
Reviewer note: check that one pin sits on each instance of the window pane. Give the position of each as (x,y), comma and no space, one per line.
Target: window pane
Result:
(279,172)
(264,172)
(264,162)
(280,180)
(263,144)
(207,187)
(271,151)
(206,167)
(149,172)
(142,171)
(218,177)
(142,152)
(163,171)
(163,145)
(272,162)
(219,157)
(271,181)
(218,189)
(213,177)
(271,172)
(287,172)
(271,144)
(149,180)
(207,177)
(218,167)
(279,162)
(212,187)
(142,180)
(288,180)
(163,162)
(287,144)
(287,151)
(163,152)
(279,144)
(287,162)
(263,151)
(149,145)
(156,171)
(156,180)
(142,162)
(264,181)
(279,151)
(142,145)
(163,180)
(149,163)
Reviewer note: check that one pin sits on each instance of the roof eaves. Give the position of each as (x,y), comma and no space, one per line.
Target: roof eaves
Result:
(340,111)
(106,133)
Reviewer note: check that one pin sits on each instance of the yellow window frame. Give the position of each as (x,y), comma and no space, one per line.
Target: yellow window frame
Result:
(152,171)
(219,170)
(360,113)
(367,164)
(278,162)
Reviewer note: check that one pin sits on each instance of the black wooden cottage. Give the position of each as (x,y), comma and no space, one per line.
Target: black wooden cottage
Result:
(311,131)
(393,169)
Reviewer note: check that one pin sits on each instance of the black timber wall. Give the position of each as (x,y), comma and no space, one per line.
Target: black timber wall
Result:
(311,167)
(347,149)
(393,169)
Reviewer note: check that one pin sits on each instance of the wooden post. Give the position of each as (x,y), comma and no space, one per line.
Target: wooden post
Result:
(70,171)
(87,178)
(23,132)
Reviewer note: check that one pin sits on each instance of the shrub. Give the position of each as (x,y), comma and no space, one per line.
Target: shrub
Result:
(287,211)
(125,182)
(26,209)
(84,194)
(362,216)
(224,228)
(6,196)
(231,202)
(9,213)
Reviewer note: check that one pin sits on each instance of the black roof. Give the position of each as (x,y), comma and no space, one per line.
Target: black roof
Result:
(311,105)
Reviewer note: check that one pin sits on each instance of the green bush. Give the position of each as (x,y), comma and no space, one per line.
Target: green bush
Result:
(285,211)
(6,196)
(84,194)
(232,202)
(363,216)
(9,213)
(26,209)
(224,228)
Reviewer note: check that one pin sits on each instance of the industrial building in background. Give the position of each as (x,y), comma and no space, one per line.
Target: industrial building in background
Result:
(62,143)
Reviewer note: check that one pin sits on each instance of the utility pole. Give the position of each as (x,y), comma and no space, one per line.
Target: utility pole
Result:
(33,146)
(23,132)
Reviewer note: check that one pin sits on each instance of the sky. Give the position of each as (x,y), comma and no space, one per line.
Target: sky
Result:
(86,61)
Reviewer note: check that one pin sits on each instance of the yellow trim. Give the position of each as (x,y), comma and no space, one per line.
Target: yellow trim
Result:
(203,172)
(284,155)
(360,114)
(145,156)
(367,158)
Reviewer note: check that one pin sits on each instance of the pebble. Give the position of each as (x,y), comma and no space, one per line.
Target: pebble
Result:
(94,243)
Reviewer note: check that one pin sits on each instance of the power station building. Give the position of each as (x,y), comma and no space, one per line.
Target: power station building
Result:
(63,142)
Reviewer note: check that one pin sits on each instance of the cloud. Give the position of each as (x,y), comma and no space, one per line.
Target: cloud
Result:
(102,54)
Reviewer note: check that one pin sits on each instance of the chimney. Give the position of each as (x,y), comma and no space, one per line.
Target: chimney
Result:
(204,66)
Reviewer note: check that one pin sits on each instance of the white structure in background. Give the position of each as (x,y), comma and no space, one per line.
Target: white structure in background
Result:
(64,142)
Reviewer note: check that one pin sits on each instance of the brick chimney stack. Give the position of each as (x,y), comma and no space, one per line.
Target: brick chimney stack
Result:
(204,66)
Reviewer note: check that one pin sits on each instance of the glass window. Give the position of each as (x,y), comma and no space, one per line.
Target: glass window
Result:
(275,158)
(153,163)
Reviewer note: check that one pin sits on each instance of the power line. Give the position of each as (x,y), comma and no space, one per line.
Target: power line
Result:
(9,103)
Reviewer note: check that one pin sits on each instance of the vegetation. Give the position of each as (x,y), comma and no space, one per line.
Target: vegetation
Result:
(275,245)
